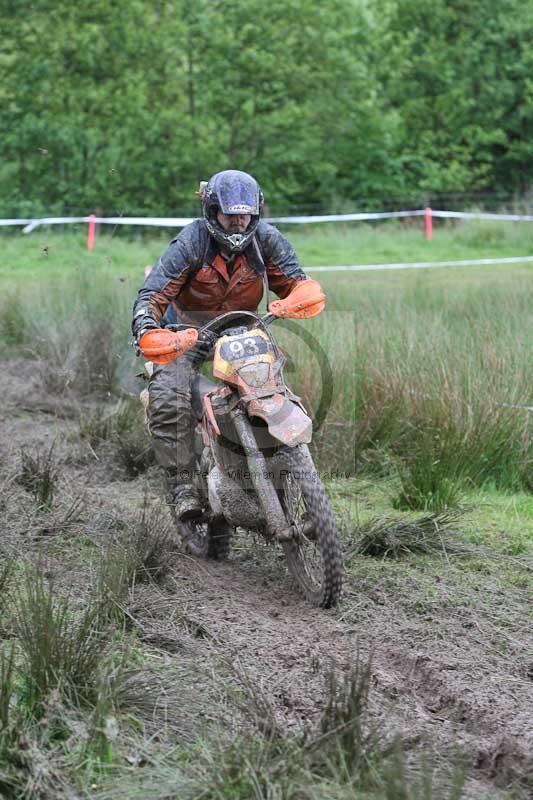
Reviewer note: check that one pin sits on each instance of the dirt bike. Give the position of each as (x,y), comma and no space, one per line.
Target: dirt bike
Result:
(254,469)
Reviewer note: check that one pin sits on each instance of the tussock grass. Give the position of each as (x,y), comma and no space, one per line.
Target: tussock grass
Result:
(79,330)
(10,726)
(347,746)
(97,425)
(120,426)
(7,563)
(425,784)
(60,690)
(131,440)
(7,689)
(138,554)
(103,726)
(340,758)
(399,537)
(39,475)
(13,322)
(61,645)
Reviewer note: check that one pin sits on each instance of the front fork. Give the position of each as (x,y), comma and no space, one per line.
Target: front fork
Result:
(277,526)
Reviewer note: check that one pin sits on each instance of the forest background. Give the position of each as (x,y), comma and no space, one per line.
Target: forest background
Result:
(333,106)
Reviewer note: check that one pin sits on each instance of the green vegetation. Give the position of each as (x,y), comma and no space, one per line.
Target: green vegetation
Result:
(128,107)
(95,691)
(424,373)
(51,254)
(38,475)
(127,668)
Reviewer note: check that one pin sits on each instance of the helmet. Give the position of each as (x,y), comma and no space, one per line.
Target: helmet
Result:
(232,192)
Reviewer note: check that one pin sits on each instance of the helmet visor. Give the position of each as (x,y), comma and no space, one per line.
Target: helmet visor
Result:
(238,194)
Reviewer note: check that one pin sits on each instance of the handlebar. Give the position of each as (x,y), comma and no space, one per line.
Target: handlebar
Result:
(208,335)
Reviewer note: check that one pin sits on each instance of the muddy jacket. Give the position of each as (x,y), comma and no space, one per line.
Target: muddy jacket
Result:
(192,277)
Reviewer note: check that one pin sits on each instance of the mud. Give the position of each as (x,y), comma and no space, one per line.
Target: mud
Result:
(454,680)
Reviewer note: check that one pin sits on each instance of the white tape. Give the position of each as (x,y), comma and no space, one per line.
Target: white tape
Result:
(51,221)
(422,264)
(513,405)
(170,222)
(483,215)
(180,222)
(348,217)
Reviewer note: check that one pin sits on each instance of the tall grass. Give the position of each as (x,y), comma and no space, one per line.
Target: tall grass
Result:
(423,375)
(39,475)
(61,646)
(78,328)
(59,670)
(121,426)
(427,380)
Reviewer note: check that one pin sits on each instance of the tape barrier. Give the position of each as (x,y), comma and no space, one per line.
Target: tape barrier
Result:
(466,262)
(349,217)
(483,215)
(162,222)
(179,222)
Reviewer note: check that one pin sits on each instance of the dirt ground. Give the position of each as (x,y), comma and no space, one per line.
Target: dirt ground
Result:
(451,677)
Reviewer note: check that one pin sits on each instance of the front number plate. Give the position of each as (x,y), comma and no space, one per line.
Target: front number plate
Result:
(243,347)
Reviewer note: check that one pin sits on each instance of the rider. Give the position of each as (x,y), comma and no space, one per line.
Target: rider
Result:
(218,263)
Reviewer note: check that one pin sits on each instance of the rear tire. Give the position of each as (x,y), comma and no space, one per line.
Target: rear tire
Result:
(314,554)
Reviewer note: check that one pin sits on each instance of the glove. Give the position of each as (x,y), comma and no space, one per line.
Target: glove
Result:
(142,322)
(202,349)
(163,346)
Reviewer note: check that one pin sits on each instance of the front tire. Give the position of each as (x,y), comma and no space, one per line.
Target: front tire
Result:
(314,553)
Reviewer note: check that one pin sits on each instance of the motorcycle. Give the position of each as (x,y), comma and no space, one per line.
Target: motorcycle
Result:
(254,469)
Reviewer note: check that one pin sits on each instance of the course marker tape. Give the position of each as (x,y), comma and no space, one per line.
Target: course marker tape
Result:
(422,264)
(179,222)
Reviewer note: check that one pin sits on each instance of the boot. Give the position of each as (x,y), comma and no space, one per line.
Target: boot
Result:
(185,501)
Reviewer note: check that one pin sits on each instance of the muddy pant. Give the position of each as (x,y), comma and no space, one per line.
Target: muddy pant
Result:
(171,417)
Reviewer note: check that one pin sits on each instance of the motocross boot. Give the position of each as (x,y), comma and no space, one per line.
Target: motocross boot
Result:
(186,502)
(183,497)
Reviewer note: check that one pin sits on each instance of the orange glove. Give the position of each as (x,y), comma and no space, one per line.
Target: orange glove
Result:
(306,300)
(163,346)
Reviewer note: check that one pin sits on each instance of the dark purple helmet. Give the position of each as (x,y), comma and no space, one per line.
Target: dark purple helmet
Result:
(232,192)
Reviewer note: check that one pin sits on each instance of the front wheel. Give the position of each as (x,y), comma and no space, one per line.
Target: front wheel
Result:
(313,553)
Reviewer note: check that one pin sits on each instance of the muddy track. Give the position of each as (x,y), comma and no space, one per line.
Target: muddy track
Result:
(446,697)
(441,682)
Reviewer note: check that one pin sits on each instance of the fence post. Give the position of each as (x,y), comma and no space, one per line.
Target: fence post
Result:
(91,231)
(429,224)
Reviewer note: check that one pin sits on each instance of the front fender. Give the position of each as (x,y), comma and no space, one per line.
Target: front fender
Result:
(286,420)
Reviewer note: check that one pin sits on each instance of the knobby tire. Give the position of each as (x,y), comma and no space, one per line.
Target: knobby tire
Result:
(314,558)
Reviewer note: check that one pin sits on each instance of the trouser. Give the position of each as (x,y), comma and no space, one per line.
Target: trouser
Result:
(171,418)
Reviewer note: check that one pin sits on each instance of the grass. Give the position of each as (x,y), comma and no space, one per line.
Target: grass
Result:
(418,373)
(39,475)
(85,720)
(422,373)
(138,553)
(51,250)
(67,671)
(399,537)
(60,646)
(122,428)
